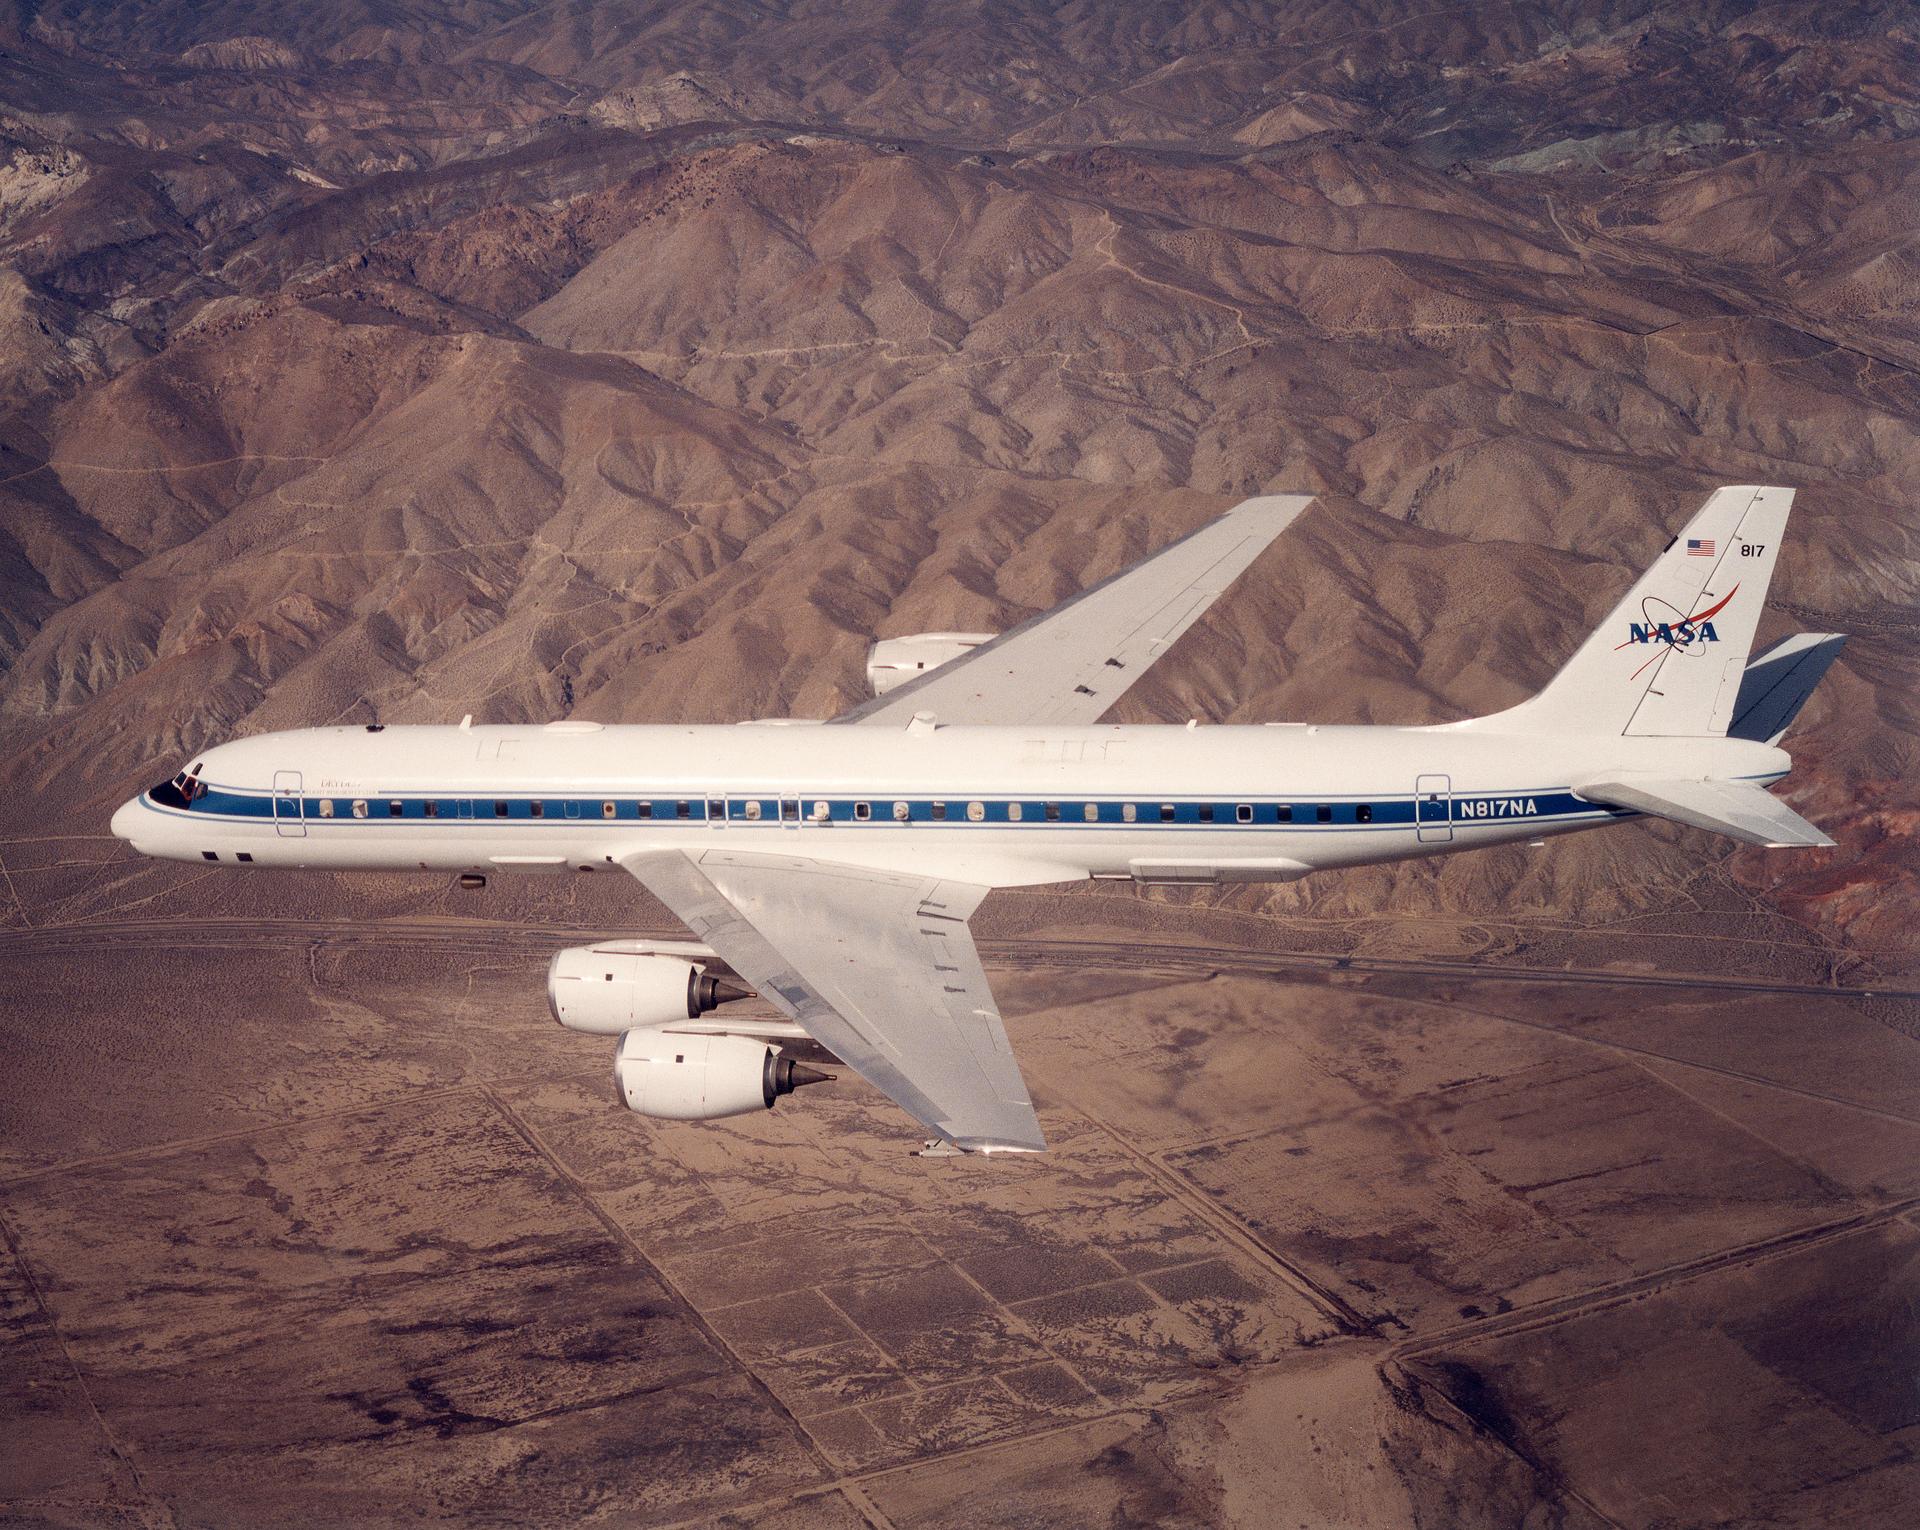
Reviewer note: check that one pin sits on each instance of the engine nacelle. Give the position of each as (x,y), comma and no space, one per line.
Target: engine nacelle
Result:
(894,661)
(618,985)
(680,1077)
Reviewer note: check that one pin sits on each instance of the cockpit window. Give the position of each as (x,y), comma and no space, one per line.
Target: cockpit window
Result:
(180,792)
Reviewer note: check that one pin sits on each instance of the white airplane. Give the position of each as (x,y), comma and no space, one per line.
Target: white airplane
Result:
(831,868)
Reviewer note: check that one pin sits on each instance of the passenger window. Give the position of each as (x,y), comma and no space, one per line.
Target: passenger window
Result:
(790,809)
(1013,812)
(431,809)
(537,808)
(753,811)
(1053,812)
(1166,812)
(901,812)
(1206,812)
(683,810)
(822,813)
(716,809)
(396,808)
(1284,812)
(1243,813)
(644,809)
(1363,813)
(326,807)
(608,810)
(863,811)
(1092,812)
(1128,812)
(499,808)
(359,808)
(1323,813)
(976,811)
(937,810)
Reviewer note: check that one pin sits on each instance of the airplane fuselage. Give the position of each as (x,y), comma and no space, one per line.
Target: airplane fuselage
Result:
(832,870)
(1000,806)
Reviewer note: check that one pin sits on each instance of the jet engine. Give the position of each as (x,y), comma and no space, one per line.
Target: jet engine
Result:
(894,661)
(701,1078)
(620,984)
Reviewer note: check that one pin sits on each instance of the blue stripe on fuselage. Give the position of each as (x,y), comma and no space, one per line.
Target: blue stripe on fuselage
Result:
(1467,810)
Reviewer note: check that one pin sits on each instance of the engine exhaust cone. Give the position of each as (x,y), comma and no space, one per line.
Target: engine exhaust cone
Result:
(707,992)
(784,1075)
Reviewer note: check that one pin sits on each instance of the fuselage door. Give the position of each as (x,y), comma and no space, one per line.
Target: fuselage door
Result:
(1433,808)
(289,806)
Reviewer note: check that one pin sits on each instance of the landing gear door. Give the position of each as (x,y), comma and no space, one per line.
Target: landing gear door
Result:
(1433,808)
(289,806)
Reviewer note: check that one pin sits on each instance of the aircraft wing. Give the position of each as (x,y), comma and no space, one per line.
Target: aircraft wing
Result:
(878,967)
(1068,665)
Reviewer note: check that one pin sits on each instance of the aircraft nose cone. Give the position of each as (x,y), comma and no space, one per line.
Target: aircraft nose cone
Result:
(125,819)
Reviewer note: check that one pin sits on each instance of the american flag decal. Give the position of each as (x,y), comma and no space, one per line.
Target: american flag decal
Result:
(1698,548)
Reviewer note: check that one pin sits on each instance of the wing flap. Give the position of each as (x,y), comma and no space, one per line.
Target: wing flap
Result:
(878,967)
(1068,665)
(1741,810)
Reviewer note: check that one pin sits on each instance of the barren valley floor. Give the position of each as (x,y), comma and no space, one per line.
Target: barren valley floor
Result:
(322,1220)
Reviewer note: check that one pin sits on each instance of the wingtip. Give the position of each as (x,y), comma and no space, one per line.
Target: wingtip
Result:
(985,1147)
(1288,504)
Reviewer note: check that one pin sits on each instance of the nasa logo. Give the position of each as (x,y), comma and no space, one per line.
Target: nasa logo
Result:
(1677,631)
(1671,632)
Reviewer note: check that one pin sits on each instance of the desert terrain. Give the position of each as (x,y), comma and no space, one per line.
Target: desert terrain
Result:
(404,361)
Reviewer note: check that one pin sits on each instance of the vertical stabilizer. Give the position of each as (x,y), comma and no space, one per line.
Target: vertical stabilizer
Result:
(1668,662)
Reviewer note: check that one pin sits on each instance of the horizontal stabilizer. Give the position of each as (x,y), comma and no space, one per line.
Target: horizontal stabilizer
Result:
(1776,685)
(1741,810)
